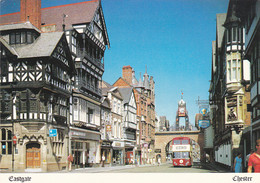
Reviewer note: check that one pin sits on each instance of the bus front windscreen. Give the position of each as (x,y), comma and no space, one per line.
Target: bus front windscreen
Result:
(181,155)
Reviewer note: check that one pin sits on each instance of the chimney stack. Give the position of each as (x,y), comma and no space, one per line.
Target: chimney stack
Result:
(127,74)
(31,9)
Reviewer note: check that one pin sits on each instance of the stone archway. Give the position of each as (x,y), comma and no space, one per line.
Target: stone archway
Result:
(163,139)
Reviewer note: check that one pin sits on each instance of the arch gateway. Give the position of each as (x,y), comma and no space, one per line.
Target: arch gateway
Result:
(164,139)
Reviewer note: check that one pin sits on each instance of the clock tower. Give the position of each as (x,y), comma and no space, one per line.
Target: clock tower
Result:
(182,112)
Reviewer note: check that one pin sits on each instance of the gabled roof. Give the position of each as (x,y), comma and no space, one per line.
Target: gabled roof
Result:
(76,13)
(126,94)
(11,49)
(43,46)
(128,85)
(105,102)
(82,12)
(106,88)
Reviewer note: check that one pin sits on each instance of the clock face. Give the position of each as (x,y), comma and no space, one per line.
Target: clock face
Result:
(182,110)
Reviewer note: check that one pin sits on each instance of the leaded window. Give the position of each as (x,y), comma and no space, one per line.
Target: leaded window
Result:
(5,141)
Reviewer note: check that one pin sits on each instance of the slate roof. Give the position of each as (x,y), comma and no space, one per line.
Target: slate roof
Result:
(105,102)
(78,13)
(126,94)
(106,87)
(82,12)
(22,25)
(43,46)
(11,49)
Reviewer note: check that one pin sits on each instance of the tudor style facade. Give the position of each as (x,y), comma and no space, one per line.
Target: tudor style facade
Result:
(78,105)
(129,124)
(249,13)
(34,98)
(229,97)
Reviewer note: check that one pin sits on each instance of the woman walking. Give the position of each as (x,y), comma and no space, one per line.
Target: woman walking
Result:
(238,163)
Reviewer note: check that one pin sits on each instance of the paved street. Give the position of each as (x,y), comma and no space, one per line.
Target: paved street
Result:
(164,168)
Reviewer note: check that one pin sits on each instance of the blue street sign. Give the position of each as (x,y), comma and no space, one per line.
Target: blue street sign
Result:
(52,132)
(204,123)
(4,146)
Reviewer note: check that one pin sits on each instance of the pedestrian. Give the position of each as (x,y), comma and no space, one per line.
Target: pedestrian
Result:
(103,160)
(247,157)
(238,163)
(159,161)
(254,159)
(70,160)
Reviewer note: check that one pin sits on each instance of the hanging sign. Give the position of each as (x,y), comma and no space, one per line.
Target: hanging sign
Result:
(204,123)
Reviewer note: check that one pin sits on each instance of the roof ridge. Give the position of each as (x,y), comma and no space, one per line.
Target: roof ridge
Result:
(8,14)
(64,5)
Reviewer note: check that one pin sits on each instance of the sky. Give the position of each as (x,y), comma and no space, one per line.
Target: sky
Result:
(173,38)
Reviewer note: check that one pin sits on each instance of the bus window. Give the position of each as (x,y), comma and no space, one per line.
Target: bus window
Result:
(185,155)
(177,155)
(176,142)
(185,141)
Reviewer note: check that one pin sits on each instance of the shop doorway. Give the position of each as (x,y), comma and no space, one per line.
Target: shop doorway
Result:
(33,155)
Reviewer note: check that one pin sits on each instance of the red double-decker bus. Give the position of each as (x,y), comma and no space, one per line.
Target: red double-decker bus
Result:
(181,151)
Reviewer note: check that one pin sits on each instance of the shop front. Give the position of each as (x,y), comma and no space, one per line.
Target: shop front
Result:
(106,152)
(118,153)
(129,153)
(84,147)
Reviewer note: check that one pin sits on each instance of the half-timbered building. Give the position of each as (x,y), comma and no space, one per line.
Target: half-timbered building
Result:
(86,39)
(35,88)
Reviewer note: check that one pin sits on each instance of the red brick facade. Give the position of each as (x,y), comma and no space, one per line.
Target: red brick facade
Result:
(127,73)
(31,9)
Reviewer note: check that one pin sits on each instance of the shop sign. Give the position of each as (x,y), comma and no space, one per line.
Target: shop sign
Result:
(76,133)
(108,128)
(118,144)
(204,123)
(90,136)
(157,150)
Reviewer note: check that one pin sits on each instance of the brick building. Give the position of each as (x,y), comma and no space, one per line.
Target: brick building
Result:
(145,100)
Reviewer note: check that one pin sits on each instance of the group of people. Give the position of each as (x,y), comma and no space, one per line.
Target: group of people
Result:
(252,160)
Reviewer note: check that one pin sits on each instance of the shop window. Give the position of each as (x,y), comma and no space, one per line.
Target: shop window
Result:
(58,143)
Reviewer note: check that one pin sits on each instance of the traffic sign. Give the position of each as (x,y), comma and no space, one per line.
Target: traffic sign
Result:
(52,132)
(14,140)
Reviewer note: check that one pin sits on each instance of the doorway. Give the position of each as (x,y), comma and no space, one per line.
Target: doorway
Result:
(33,155)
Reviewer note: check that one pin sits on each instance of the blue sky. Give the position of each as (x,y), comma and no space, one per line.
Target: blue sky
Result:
(172,37)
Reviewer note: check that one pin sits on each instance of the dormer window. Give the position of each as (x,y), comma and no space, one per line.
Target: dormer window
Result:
(22,37)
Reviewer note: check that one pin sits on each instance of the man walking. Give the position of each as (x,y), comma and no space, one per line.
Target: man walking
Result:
(70,160)
(254,159)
